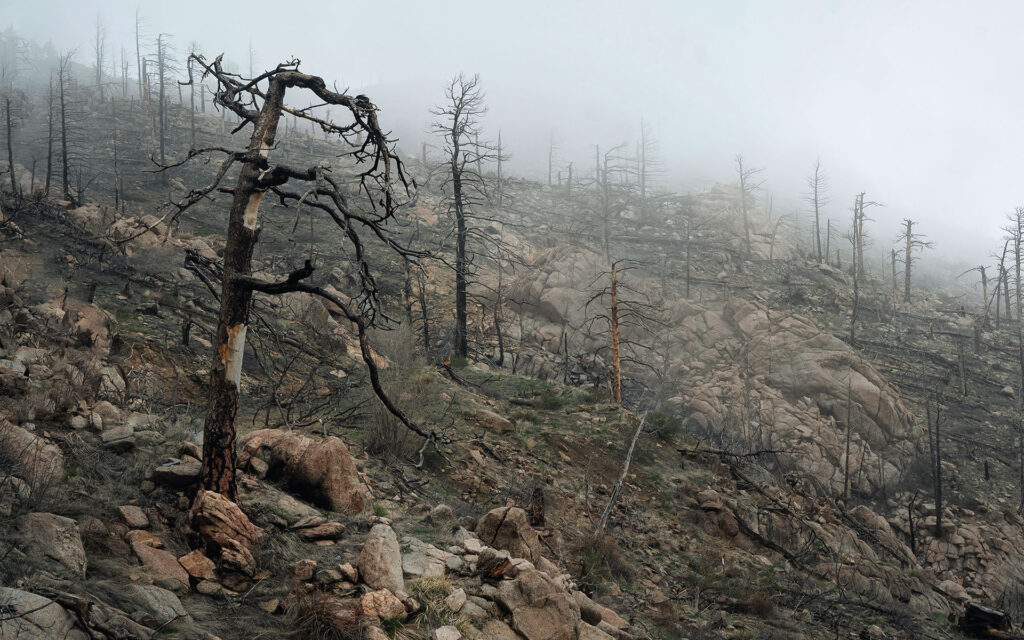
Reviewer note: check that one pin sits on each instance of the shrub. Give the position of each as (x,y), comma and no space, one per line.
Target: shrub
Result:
(310,617)
(431,593)
(759,604)
(663,426)
(602,561)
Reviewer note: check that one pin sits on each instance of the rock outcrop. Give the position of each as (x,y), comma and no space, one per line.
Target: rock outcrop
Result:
(320,470)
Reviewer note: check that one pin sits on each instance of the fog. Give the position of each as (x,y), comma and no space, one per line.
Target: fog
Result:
(916,103)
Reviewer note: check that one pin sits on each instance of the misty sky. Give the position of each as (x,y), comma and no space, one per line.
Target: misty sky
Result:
(917,103)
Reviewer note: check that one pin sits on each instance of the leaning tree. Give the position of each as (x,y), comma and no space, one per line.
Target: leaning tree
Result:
(360,199)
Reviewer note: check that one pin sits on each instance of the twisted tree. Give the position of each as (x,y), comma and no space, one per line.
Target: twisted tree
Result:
(359,199)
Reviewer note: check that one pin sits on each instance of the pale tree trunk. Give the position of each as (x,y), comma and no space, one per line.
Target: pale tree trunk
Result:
(908,258)
(138,57)
(500,193)
(895,282)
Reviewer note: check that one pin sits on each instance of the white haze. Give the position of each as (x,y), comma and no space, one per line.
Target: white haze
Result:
(916,103)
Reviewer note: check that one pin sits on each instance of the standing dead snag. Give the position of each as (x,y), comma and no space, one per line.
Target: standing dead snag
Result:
(260,102)
(457,122)
(912,241)
(629,324)
(817,197)
(747,186)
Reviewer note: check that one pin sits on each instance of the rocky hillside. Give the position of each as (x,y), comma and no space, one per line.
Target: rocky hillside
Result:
(779,487)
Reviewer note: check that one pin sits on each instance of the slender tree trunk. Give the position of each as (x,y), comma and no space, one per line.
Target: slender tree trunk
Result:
(161,69)
(10,145)
(1006,284)
(138,57)
(849,433)
(858,211)
(65,183)
(461,259)
(689,257)
(908,261)
(500,186)
(860,239)
(407,290)
(743,208)
(192,107)
(616,364)
(497,319)
(895,285)
(424,315)
(599,529)
(828,238)
(984,295)
(49,140)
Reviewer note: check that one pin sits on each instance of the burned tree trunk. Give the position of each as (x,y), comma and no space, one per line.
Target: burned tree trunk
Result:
(218,471)
(258,177)
(616,362)
(10,144)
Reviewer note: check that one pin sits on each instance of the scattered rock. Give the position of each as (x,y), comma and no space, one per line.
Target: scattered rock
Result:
(456,600)
(492,421)
(162,604)
(497,630)
(447,632)
(139,536)
(225,530)
(382,605)
(178,474)
(163,567)
(304,569)
(271,606)
(325,531)
(441,513)
(34,460)
(380,563)
(349,572)
(133,516)
(27,616)
(119,439)
(199,566)
(509,528)
(55,537)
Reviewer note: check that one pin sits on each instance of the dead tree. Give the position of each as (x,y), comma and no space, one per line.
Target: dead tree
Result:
(748,184)
(614,494)
(9,127)
(63,77)
(457,121)
(379,179)
(138,53)
(934,419)
(984,292)
(817,197)
(1016,235)
(648,161)
(609,166)
(625,318)
(552,149)
(911,242)
(99,47)
(163,71)
(49,138)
